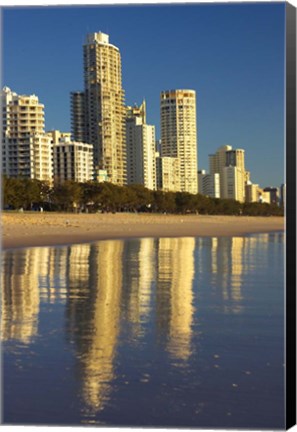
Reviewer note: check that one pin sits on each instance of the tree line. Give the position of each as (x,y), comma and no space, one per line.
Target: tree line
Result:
(91,197)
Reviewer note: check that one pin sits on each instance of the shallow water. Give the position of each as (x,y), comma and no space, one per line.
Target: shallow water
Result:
(184,332)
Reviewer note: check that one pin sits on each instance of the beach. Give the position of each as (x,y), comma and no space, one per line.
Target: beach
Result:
(50,229)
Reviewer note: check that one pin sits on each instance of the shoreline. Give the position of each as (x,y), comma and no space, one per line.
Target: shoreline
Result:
(24,230)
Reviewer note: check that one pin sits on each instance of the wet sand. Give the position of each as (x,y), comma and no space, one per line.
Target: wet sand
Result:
(49,229)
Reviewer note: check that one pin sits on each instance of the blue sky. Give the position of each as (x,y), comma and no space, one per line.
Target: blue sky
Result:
(231,54)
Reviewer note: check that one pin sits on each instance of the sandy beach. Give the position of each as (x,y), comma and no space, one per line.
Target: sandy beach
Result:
(48,229)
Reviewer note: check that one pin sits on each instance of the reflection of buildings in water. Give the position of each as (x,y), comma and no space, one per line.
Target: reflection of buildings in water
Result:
(227,275)
(78,272)
(53,275)
(96,318)
(255,249)
(20,294)
(214,255)
(140,256)
(175,280)
(237,247)
(231,258)
(147,260)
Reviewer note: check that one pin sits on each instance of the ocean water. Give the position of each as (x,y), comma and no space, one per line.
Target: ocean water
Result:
(171,332)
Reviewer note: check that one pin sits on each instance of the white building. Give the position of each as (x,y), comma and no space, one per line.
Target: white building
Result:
(41,149)
(233,183)
(26,151)
(226,157)
(73,161)
(179,134)
(209,184)
(217,163)
(140,145)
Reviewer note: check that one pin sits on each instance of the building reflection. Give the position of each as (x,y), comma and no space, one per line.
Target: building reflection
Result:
(53,275)
(29,277)
(94,317)
(228,260)
(147,284)
(20,294)
(140,259)
(175,294)
(221,258)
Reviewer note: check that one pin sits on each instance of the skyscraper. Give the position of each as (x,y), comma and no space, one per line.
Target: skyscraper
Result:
(178,134)
(140,142)
(98,113)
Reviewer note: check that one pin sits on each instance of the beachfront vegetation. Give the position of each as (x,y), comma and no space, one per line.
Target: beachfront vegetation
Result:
(94,197)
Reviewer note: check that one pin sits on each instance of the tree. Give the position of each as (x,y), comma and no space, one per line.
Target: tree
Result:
(185,202)
(164,202)
(67,196)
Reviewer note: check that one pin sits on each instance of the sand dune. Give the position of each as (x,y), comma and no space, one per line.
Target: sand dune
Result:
(46,229)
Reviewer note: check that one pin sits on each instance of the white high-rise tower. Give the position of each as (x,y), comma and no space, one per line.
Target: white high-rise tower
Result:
(179,134)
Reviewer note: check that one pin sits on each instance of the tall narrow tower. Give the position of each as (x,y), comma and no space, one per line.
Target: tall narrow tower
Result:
(101,108)
(178,134)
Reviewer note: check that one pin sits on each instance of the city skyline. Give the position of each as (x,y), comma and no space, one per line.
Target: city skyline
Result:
(239,94)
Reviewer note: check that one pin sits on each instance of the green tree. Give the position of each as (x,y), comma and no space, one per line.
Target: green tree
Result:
(164,202)
(67,196)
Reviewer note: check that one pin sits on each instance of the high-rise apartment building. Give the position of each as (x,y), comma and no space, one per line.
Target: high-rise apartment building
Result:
(168,174)
(235,157)
(251,192)
(179,135)
(41,150)
(98,113)
(72,160)
(140,144)
(209,184)
(233,180)
(24,152)
(233,183)
(217,163)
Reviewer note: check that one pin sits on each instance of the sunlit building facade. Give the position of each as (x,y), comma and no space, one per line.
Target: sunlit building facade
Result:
(73,161)
(209,184)
(179,134)
(217,163)
(140,144)
(25,151)
(251,192)
(98,113)
(230,165)
(168,174)
(233,183)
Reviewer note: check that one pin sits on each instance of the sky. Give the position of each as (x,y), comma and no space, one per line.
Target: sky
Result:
(232,55)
